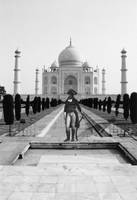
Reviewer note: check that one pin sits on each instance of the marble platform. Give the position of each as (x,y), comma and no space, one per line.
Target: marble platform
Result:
(91,177)
(76,175)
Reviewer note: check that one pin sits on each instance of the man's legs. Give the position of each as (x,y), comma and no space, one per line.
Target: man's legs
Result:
(73,123)
(68,120)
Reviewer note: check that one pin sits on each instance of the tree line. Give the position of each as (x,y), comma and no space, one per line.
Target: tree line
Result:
(12,106)
(127,103)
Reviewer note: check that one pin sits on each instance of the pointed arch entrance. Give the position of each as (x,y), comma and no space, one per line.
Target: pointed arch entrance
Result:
(70,82)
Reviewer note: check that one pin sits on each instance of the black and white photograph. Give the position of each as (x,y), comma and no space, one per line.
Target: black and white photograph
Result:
(68,99)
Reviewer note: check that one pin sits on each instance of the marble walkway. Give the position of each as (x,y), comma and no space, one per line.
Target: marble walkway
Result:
(66,174)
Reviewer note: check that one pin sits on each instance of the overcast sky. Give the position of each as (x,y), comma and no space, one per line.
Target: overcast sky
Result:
(41,30)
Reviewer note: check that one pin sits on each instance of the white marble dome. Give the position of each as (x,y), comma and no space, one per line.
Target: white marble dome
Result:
(69,56)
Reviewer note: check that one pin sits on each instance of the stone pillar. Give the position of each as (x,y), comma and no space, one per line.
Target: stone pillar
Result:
(123,73)
(36,83)
(43,83)
(16,81)
(98,78)
(103,81)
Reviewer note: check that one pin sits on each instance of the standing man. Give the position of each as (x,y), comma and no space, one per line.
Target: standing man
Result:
(71,115)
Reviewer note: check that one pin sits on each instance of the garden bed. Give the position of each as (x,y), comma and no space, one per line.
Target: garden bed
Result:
(31,119)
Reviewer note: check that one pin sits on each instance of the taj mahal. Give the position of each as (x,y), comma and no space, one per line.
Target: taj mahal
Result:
(71,72)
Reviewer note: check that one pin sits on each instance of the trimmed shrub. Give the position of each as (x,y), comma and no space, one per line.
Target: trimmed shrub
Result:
(117,104)
(104,104)
(100,104)
(109,105)
(39,104)
(91,102)
(27,105)
(43,103)
(35,105)
(55,102)
(52,102)
(47,102)
(17,107)
(95,103)
(8,111)
(126,105)
(59,101)
(133,107)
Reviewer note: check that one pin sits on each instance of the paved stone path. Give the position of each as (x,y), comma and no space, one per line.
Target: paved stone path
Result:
(57,131)
(73,174)
(128,142)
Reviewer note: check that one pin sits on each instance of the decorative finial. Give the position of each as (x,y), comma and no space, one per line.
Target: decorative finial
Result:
(70,42)
(123,51)
(17,51)
(103,70)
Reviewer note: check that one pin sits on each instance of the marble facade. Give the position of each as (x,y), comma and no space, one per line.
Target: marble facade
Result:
(70,72)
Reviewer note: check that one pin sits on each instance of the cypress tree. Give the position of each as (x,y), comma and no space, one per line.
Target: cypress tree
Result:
(133,107)
(100,104)
(90,102)
(17,107)
(35,105)
(47,102)
(117,104)
(43,103)
(39,104)
(55,102)
(109,105)
(52,102)
(59,101)
(27,105)
(126,105)
(8,111)
(104,105)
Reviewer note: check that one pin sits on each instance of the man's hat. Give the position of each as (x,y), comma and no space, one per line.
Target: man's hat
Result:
(71,92)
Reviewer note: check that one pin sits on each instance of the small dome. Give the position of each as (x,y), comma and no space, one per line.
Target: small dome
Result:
(85,64)
(54,65)
(69,56)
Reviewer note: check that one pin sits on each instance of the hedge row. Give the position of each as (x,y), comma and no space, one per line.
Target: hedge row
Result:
(10,106)
(128,104)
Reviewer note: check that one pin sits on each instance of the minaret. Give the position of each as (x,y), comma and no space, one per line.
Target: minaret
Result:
(97,70)
(16,73)
(70,43)
(103,81)
(36,83)
(123,73)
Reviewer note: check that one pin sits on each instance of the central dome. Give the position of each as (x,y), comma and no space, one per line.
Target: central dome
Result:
(69,56)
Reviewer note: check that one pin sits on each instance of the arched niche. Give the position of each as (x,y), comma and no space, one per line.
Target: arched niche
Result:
(70,82)
(95,80)
(87,80)
(53,80)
